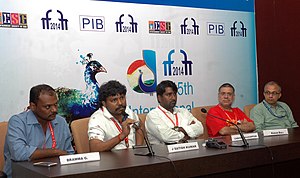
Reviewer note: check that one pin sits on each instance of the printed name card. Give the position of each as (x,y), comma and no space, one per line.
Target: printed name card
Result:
(79,158)
(183,147)
(248,136)
(275,132)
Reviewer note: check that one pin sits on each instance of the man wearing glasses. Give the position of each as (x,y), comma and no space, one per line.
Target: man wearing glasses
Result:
(271,113)
(224,110)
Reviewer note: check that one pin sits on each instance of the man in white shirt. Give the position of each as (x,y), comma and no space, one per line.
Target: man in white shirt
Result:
(168,124)
(111,126)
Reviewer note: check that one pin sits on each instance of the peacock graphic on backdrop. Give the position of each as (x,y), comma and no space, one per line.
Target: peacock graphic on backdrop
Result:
(75,104)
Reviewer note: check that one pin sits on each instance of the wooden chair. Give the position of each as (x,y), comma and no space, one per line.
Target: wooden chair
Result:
(3,131)
(248,108)
(197,113)
(79,131)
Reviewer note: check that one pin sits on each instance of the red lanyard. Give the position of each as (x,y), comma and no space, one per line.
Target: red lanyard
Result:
(229,118)
(120,130)
(52,136)
(175,125)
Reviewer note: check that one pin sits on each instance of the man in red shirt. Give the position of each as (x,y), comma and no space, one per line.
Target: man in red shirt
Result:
(217,127)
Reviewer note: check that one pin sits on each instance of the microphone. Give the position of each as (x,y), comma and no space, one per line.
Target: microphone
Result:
(136,126)
(246,144)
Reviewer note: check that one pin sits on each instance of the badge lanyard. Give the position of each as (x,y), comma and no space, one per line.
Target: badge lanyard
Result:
(120,130)
(52,136)
(229,118)
(175,125)
(270,110)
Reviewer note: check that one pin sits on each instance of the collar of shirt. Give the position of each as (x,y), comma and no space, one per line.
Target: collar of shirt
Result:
(175,110)
(271,106)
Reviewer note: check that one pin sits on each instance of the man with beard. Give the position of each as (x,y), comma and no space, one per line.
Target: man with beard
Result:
(111,126)
(167,123)
(38,132)
(217,127)
(271,113)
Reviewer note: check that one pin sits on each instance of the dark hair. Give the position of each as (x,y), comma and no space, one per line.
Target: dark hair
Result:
(36,91)
(161,87)
(110,88)
(226,85)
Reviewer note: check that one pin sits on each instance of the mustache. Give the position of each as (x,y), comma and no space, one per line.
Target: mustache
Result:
(54,113)
(121,107)
(173,101)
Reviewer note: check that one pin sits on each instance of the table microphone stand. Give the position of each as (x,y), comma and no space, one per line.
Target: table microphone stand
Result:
(246,144)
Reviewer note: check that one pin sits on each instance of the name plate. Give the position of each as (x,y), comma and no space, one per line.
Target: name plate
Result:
(183,147)
(275,132)
(248,136)
(79,158)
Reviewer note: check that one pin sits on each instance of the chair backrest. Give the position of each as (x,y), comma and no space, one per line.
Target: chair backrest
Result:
(197,113)
(3,130)
(80,134)
(248,108)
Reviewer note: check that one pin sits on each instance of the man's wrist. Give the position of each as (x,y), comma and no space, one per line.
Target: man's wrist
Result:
(121,138)
(183,140)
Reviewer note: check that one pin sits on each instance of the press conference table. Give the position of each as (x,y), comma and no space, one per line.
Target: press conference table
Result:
(275,156)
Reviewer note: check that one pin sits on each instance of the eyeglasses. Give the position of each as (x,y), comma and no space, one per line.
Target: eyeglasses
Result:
(224,93)
(271,93)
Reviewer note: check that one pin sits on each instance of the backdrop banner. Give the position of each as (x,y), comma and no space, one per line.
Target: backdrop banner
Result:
(75,46)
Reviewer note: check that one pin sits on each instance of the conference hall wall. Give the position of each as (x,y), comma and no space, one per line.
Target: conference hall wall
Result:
(278,48)
(75,46)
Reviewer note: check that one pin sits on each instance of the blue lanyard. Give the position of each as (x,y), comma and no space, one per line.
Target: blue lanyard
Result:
(270,110)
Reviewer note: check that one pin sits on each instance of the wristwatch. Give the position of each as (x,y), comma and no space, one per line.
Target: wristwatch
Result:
(176,128)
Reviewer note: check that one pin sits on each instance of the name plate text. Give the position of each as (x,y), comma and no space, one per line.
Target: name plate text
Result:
(183,147)
(248,136)
(275,132)
(79,158)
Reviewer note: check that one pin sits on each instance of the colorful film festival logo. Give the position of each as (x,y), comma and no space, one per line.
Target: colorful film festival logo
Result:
(184,67)
(131,28)
(238,32)
(187,29)
(141,74)
(54,24)
(13,20)
(159,27)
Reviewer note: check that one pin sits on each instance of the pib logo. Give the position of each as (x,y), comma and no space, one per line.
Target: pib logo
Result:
(92,23)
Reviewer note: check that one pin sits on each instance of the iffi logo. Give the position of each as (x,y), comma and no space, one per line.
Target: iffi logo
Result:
(242,32)
(159,27)
(13,20)
(172,70)
(132,28)
(186,30)
(53,24)
(141,74)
